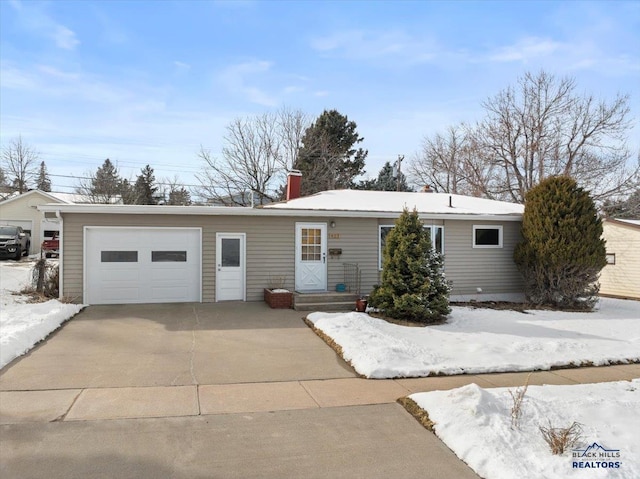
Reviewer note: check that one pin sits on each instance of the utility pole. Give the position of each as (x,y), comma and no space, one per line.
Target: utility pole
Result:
(398,171)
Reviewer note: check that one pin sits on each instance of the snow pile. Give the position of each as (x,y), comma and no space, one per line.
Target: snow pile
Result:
(476,425)
(22,324)
(483,340)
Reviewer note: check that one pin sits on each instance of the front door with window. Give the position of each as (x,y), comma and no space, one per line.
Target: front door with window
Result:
(311,256)
(230,266)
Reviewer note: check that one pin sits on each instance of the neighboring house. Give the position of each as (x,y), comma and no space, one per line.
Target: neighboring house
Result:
(149,254)
(21,210)
(621,276)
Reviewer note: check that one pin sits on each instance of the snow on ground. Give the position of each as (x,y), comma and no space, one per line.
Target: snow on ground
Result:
(22,324)
(476,425)
(484,340)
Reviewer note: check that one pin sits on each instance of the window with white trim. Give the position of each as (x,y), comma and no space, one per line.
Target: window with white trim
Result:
(436,235)
(487,236)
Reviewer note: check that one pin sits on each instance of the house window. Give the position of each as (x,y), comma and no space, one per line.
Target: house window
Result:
(435,232)
(119,256)
(611,258)
(51,233)
(168,256)
(487,236)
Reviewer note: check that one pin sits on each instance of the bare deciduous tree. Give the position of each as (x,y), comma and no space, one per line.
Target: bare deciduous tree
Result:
(257,153)
(20,164)
(540,128)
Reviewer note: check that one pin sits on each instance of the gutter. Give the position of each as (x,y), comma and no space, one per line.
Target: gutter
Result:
(60,256)
(264,212)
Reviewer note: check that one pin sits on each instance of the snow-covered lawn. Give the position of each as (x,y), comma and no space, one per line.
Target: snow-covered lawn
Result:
(476,425)
(23,324)
(484,340)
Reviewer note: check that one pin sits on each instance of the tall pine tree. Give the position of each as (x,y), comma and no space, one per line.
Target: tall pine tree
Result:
(44,182)
(145,187)
(328,158)
(413,285)
(103,186)
(562,251)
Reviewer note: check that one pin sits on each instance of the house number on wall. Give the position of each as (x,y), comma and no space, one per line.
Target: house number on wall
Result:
(334,235)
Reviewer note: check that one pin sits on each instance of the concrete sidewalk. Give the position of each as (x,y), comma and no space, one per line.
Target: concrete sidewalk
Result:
(88,404)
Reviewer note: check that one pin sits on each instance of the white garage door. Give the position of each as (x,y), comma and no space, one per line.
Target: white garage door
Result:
(142,265)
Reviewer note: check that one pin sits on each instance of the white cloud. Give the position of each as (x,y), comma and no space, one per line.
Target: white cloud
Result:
(65,38)
(525,50)
(236,79)
(33,18)
(181,66)
(374,45)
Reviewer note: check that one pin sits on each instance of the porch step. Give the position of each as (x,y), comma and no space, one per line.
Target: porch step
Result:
(329,301)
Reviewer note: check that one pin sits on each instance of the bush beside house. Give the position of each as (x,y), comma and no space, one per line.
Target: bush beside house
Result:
(562,251)
(413,286)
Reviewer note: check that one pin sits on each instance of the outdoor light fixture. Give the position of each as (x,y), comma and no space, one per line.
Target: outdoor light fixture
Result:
(332,224)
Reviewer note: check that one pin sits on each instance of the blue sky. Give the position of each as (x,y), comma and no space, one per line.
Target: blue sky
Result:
(149,82)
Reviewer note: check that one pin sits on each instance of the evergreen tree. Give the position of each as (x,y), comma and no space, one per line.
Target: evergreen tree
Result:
(179,196)
(413,284)
(328,159)
(44,182)
(562,251)
(145,189)
(127,192)
(386,181)
(628,208)
(104,186)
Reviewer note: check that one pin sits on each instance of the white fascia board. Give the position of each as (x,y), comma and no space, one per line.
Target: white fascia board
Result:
(247,211)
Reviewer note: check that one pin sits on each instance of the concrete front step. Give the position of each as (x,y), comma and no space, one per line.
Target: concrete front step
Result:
(328,297)
(334,306)
(325,301)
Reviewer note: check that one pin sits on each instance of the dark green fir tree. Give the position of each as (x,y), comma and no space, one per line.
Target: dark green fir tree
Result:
(413,285)
(562,251)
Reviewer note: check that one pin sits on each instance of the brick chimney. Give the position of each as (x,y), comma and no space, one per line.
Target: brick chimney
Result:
(294,179)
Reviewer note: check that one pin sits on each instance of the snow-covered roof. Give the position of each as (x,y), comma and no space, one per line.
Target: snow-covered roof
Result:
(334,203)
(394,202)
(633,222)
(51,196)
(80,199)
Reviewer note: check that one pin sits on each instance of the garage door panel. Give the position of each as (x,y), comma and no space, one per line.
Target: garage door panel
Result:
(145,265)
(168,294)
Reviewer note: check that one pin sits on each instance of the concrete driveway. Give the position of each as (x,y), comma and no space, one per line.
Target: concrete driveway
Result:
(204,391)
(176,344)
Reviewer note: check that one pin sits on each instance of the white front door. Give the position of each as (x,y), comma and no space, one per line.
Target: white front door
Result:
(311,256)
(230,266)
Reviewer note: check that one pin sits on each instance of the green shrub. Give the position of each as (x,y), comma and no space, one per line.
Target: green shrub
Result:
(413,285)
(562,251)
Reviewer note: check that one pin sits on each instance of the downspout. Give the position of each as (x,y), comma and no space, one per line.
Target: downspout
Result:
(60,256)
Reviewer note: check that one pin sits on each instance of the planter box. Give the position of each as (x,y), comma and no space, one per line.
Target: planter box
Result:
(278,299)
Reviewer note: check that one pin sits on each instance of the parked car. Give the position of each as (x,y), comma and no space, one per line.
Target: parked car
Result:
(14,242)
(51,247)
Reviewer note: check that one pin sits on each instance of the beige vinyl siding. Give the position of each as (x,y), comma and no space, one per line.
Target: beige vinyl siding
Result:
(469,268)
(358,239)
(270,248)
(623,277)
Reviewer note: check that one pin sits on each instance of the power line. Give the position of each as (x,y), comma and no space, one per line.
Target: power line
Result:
(89,178)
